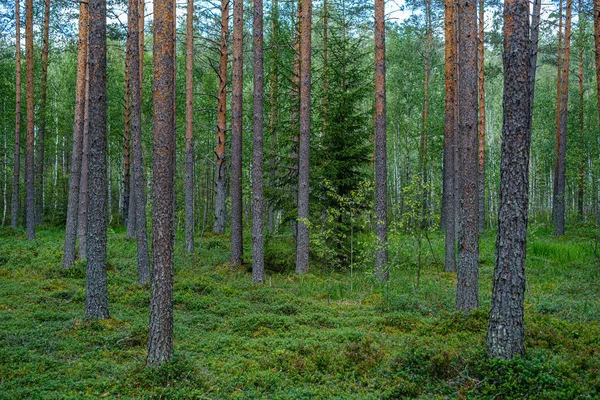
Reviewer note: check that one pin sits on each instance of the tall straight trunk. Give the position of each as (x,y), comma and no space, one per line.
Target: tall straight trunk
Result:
(534,40)
(78,128)
(425,115)
(273,114)
(127,184)
(96,305)
(597,57)
(506,327)
(5,169)
(258,262)
(29,161)
(41,133)
(324,100)
(136,135)
(560,54)
(82,221)
(189,129)
(160,332)
(237,84)
(467,290)
(581,160)
(17,158)
(294,114)
(130,232)
(221,165)
(304,145)
(381,271)
(449,190)
(481,93)
(559,199)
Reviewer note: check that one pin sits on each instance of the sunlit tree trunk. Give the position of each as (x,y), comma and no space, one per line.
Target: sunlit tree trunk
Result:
(481,94)
(467,291)
(381,271)
(17,157)
(96,305)
(160,332)
(78,128)
(506,326)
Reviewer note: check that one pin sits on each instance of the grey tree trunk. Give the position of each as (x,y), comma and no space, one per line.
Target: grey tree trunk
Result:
(133,55)
(506,328)
(130,233)
(17,158)
(96,302)
(302,241)
(236,133)
(381,271)
(189,130)
(29,160)
(78,127)
(82,222)
(258,258)
(160,331)
(467,290)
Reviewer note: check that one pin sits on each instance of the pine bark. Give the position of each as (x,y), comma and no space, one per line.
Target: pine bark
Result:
(381,271)
(134,84)
(581,158)
(273,114)
(78,127)
(559,199)
(481,126)
(506,326)
(17,156)
(41,133)
(82,221)
(449,190)
(160,332)
(258,262)
(127,184)
(221,165)
(96,305)
(302,242)
(467,291)
(236,133)
(29,160)
(189,129)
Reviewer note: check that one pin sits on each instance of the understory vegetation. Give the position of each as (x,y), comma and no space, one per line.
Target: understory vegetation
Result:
(333,333)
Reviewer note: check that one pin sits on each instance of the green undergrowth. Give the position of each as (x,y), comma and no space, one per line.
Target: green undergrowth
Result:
(327,334)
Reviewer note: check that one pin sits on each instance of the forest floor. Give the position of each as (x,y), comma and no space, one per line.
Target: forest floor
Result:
(326,334)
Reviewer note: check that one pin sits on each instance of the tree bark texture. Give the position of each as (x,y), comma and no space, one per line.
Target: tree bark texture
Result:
(467,291)
(160,332)
(17,157)
(597,48)
(381,271)
(236,132)
(559,56)
(506,328)
(302,242)
(274,110)
(481,126)
(258,258)
(534,41)
(449,190)
(41,133)
(78,127)
(189,129)
(139,186)
(127,184)
(221,165)
(82,221)
(581,158)
(29,160)
(561,165)
(96,305)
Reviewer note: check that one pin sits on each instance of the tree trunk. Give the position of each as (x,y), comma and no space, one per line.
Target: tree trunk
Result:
(559,52)
(189,130)
(481,93)
(559,200)
(29,161)
(381,271)
(535,31)
(324,100)
(78,128)
(236,132)
(17,157)
(449,190)
(505,329)
(96,305)
(130,233)
(160,332)
(39,167)
(82,222)
(597,56)
(425,115)
(581,157)
(304,145)
(258,262)
(274,114)
(221,165)
(467,291)
(127,184)
(136,134)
